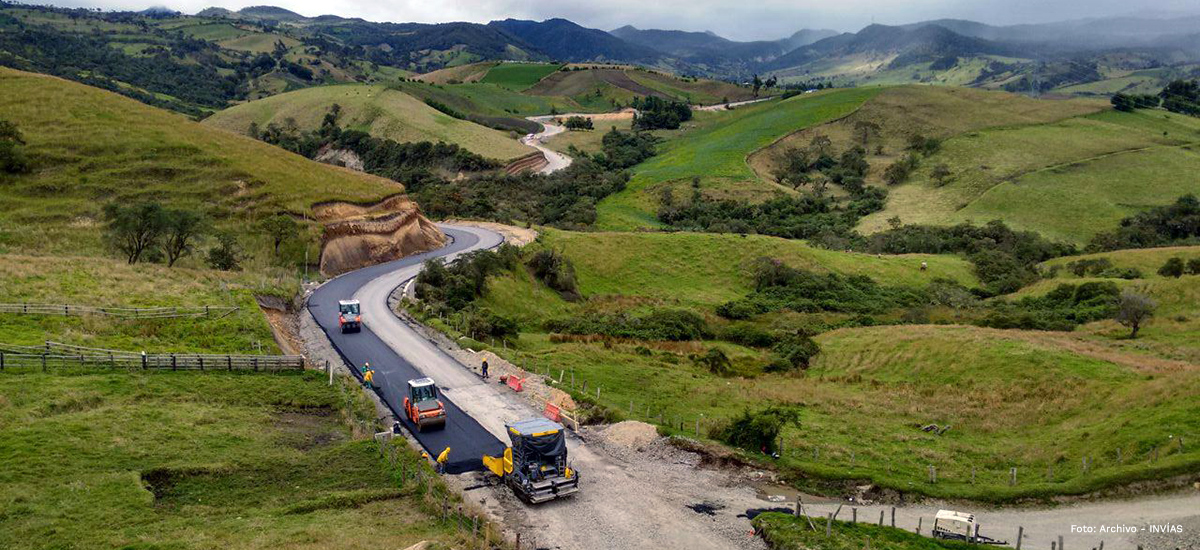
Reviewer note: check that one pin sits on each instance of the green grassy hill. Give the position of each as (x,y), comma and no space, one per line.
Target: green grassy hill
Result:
(1068,179)
(89,147)
(1038,401)
(698,270)
(602,88)
(379,110)
(717,153)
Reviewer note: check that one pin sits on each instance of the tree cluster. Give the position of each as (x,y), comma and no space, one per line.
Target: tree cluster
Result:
(578,122)
(1005,260)
(655,113)
(1182,96)
(147,230)
(1174,224)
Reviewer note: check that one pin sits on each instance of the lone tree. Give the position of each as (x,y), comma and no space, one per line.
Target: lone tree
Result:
(133,229)
(279,227)
(183,229)
(1133,310)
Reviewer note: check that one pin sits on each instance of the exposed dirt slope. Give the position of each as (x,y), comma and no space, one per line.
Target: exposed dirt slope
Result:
(356,236)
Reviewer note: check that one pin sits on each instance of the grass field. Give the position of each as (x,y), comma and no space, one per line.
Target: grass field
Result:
(1099,167)
(461,73)
(487,99)
(518,76)
(113,283)
(1173,333)
(717,153)
(935,111)
(258,42)
(376,109)
(708,269)
(191,460)
(1021,401)
(105,147)
(788,532)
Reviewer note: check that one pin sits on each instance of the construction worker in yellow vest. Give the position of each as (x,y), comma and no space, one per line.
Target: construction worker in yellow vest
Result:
(442,459)
(369,378)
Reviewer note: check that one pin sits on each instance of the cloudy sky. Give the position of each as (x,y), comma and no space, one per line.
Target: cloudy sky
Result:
(739,20)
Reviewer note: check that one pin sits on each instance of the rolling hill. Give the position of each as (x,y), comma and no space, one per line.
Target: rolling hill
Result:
(379,110)
(105,147)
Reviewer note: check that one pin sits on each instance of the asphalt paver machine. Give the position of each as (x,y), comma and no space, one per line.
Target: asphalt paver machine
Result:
(536,466)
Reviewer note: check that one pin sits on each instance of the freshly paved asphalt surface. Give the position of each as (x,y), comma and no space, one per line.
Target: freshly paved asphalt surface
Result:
(468,440)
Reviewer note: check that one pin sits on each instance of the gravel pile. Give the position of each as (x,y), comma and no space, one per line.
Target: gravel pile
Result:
(631,434)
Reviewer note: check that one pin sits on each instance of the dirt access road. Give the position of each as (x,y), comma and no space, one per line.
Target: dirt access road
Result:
(555,161)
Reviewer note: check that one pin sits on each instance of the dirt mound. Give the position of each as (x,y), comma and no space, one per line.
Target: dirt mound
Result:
(361,235)
(631,433)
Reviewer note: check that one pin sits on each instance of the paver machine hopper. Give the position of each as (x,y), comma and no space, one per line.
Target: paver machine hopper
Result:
(536,466)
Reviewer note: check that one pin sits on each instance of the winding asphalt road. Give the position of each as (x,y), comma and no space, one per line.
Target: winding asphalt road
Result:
(466,437)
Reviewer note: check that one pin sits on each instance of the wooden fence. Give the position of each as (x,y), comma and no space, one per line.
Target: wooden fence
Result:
(118,312)
(59,356)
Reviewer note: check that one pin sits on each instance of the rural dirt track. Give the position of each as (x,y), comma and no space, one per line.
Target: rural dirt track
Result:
(555,161)
(660,498)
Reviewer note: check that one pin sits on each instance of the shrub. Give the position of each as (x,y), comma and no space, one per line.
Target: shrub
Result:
(1193,266)
(555,270)
(715,361)
(798,350)
(748,335)
(758,431)
(1173,268)
(227,254)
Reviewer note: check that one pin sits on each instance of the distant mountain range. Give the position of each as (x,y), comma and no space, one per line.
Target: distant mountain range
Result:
(819,54)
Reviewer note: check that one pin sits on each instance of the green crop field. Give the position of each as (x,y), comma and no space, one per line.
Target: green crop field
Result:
(379,110)
(110,148)
(518,76)
(717,153)
(192,460)
(1099,167)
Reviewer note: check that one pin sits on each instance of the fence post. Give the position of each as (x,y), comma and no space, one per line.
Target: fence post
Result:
(829,524)
(144,365)
(1,360)
(173,365)
(229,362)
(255,361)
(893,516)
(201,358)
(881,518)
(932,474)
(1060,543)
(1012,476)
(920,523)
(43,362)
(854,516)
(1020,535)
